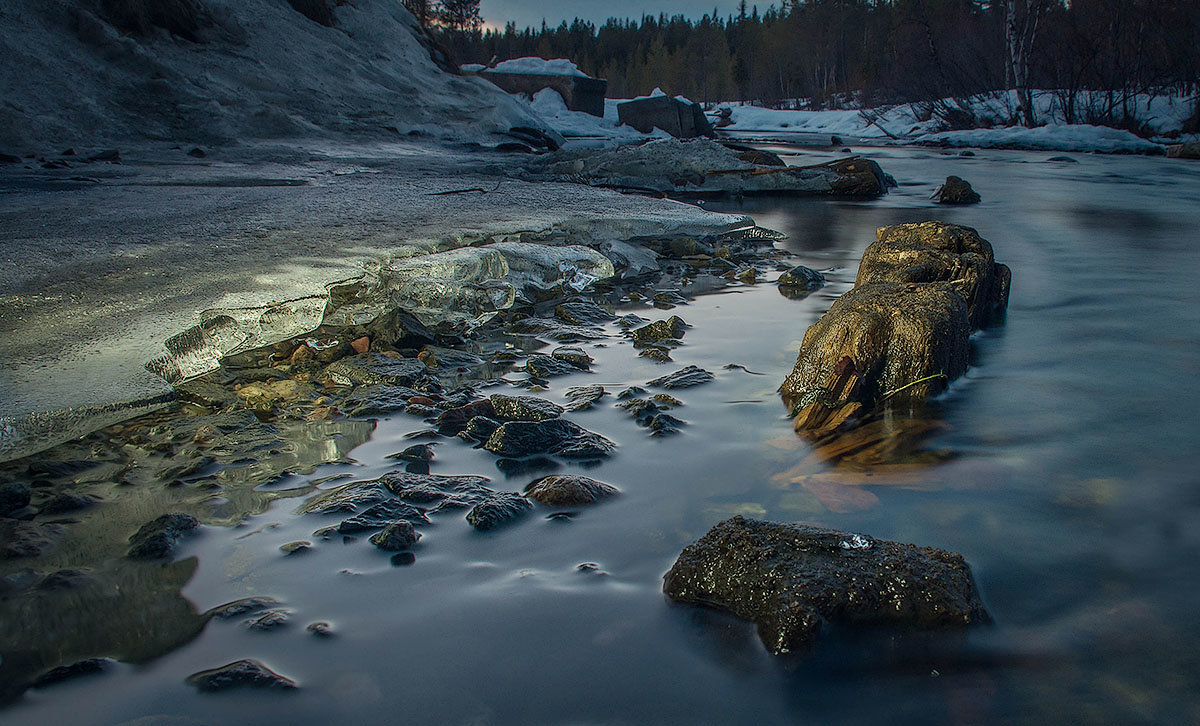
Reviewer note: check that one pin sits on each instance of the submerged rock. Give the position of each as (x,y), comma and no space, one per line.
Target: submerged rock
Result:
(544,366)
(569,490)
(556,436)
(240,674)
(789,579)
(956,190)
(381,515)
(396,537)
(581,398)
(582,313)
(439,491)
(498,509)
(672,328)
(157,538)
(346,498)
(683,378)
(379,400)
(242,607)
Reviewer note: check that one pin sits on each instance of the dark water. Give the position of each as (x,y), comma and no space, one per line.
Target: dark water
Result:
(1073,493)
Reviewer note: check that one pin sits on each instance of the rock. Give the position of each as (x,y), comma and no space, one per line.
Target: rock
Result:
(524,408)
(416,452)
(569,490)
(197,153)
(269,620)
(203,392)
(1190,150)
(396,537)
(14,497)
(789,579)
(481,428)
(380,515)
(556,436)
(672,328)
(543,366)
(498,509)
(110,155)
(857,178)
(940,252)
(1064,159)
(878,339)
(242,607)
(375,369)
(321,629)
(801,277)
(298,547)
(581,398)
(572,356)
(956,191)
(240,674)
(346,498)
(443,492)
(86,667)
(65,580)
(454,421)
(658,353)
(552,329)
(582,313)
(748,276)
(361,345)
(9,159)
(156,539)
(681,119)
(664,423)
(683,378)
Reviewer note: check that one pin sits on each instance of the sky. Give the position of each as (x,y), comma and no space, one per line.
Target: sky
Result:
(531,12)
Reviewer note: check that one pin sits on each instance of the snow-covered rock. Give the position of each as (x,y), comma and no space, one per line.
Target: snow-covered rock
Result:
(540,67)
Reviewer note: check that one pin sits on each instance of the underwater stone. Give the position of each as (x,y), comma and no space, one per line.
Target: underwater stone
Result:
(497,509)
(683,378)
(789,579)
(240,674)
(157,538)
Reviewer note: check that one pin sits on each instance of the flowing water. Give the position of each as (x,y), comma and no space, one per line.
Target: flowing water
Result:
(1067,480)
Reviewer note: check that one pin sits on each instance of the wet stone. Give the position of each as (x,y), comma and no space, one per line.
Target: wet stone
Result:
(572,356)
(346,498)
(640,409)
(416,452)
(517,467)
(544,366)
(454,421)
(683,378)
(656,352)
(790,579)
(957,191)
(396,537)
(552,329)
(381,515)
(379,400)
(524,408)
(630,320)
(28,539)
(240,674)
(481,428)
(65,580)
(581,398)
(801,277)
(157,539)
(557,436)
(298,547)
(243,607)
(321,629)
(375,369)
(569,490)
(663,424)
(582,313)
(269,620)
(86,667)
(672,328)
(499,508)
(444,492)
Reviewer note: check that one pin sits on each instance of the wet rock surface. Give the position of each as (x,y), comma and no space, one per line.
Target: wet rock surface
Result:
(801,277)
(240,674)
(956,190)
(157,539)
(524,408)
(85,667)
(683,378)
(497,509)
(581,398)
(568,490)
(376,369)
(555,436)
(396,537)
(791,579)
(672,328)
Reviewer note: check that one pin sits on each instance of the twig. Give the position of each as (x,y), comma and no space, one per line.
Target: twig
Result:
(889,394)
(464,191)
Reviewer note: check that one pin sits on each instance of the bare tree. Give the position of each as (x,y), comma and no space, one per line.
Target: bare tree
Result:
(1021,18)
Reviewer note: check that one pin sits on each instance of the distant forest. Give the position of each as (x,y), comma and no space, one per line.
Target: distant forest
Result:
(834,53)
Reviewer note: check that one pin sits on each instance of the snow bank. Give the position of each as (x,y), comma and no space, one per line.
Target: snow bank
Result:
(540,67)
(549,105)
(261,71)
(1079,137)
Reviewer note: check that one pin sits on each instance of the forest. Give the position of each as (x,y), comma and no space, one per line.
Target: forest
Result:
(846,53)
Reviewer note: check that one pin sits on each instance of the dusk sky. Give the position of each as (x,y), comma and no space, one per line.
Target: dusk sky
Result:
(531,12)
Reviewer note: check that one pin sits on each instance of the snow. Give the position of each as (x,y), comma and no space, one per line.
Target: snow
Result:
(264,71)
(549,105)
(1079,137)
(540,67)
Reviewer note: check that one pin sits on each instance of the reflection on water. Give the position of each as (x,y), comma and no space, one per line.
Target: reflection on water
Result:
(1060,466)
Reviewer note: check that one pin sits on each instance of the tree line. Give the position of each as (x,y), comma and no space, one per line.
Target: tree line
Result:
(829,53)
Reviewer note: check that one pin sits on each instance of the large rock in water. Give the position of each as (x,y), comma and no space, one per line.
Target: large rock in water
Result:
(789,579)
(902,333)
(681,119)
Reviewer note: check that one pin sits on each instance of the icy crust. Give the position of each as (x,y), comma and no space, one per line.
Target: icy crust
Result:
(694,166)
(261,70)
(540,67)
(75,363)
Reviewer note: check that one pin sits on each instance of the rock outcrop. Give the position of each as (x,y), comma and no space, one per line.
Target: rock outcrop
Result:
(790,579)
